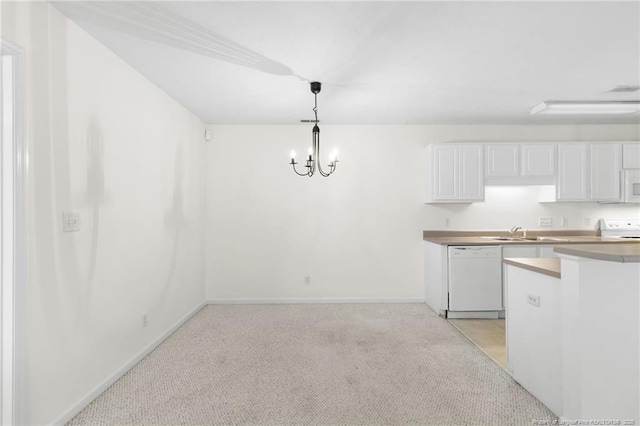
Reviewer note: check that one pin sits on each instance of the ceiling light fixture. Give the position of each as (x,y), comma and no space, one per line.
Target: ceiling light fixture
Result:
(587,107)
(313,159)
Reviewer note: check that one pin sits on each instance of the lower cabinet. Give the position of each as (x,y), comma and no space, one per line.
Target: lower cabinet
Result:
(437,279)
(528,251)
(534,328)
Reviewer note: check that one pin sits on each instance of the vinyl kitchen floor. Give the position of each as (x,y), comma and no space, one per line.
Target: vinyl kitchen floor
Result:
(487,334)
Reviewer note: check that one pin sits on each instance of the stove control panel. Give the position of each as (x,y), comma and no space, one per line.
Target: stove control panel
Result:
(620,227)
(619,224)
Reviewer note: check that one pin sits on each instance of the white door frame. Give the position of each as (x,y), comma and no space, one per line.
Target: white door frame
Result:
(13,226)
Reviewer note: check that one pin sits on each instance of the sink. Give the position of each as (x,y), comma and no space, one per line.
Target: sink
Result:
(505,238)
(544,239)
(526,239)
(551,239)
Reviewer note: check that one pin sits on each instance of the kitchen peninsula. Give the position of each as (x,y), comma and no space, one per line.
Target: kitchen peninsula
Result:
(600,333)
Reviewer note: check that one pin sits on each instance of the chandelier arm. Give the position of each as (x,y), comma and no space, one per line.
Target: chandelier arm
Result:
(297,172)
(322,172)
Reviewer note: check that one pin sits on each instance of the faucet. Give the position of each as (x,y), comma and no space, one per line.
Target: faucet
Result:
(513,230)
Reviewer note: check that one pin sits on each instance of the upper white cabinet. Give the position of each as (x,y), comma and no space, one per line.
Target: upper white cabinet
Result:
(538,160)
(581,171)
(503,160)
(520,164)
(471,173)
(455,173)
(589,172)
(631,156)
(606,167)
(573,172)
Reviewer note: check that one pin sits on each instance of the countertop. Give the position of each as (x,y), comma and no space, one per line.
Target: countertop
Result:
(486,238)
(546,266)
(623,253)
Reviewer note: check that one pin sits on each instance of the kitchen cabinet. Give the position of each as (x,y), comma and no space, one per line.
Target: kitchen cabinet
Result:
(538,160)
(581,172)
(572,182)
(455,173)
(606,168)
(520,251)
(546,251)
(520,164)
(538,250)
(631,156)
(436,277)
(503,160)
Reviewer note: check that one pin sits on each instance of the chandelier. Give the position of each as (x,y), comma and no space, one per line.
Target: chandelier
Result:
(313,158)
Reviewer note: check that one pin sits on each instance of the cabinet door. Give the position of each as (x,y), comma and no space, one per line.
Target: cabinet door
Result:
(538,160)
(546,251)
(503,160)
(573,172)
(519,251)
(631,155)
(606,162)
(471,173)
(445,172)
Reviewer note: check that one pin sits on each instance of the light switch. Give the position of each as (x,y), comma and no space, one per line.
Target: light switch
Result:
(70,221)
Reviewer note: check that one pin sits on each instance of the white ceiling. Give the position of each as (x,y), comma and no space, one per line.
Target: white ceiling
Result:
(379,62)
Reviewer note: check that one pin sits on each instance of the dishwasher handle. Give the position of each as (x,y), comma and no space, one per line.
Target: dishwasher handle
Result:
(475,251)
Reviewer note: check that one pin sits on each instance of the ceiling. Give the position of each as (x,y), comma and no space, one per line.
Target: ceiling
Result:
(379,62)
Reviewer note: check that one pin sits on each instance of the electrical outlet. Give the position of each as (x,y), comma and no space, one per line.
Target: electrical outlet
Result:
(447,222)
(564,222)
(307,279)
(70,222)
(545,222)
(145,321)
(533,300)
(586,221)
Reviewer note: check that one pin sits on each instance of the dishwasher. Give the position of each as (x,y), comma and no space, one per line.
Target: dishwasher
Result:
(475,280)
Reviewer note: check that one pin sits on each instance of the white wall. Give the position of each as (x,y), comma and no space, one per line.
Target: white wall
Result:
(357,233)
(108,144)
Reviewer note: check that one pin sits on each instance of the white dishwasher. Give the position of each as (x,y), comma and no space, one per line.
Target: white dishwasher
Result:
(475,281)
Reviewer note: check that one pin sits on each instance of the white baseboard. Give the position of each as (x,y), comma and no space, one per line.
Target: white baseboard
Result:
(473,314)
(284,301)
(71,413)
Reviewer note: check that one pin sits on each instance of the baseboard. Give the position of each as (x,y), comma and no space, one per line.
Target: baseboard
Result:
(319,300)
(473,314)
(71,413)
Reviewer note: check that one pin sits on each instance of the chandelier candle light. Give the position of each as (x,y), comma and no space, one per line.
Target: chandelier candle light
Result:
(313,159)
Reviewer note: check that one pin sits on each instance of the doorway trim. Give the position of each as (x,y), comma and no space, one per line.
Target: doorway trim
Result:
(13,222)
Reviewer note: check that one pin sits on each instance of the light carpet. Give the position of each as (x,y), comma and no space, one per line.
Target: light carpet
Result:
(345,364)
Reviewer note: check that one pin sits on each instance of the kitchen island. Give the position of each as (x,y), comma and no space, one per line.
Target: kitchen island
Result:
(600,334)
(573,330)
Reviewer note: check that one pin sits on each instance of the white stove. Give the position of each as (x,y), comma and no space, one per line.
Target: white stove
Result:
(620,228)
